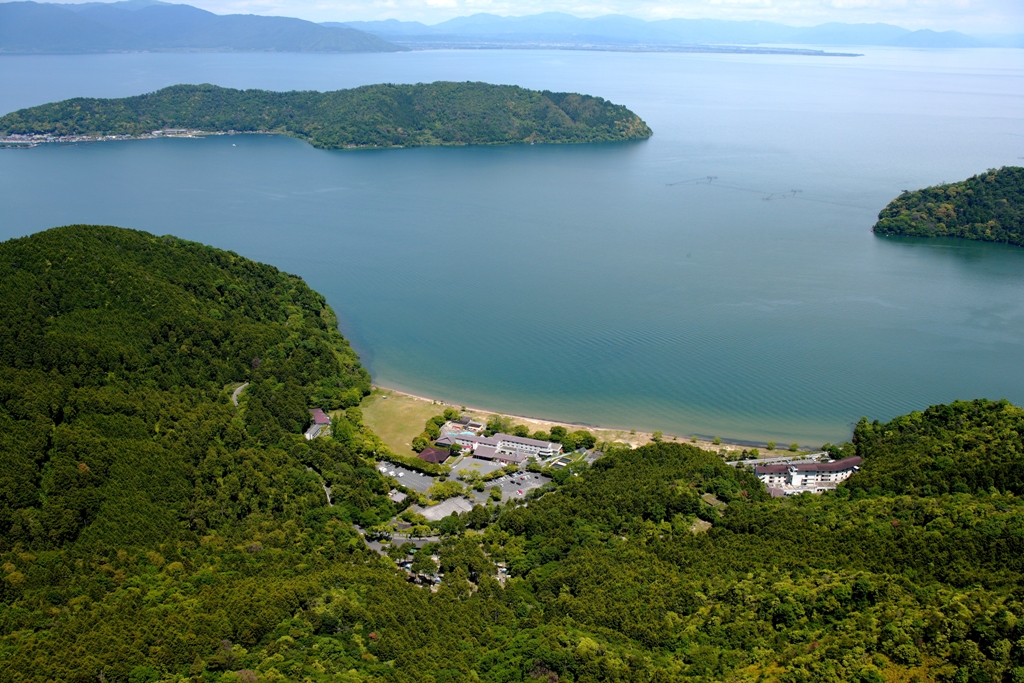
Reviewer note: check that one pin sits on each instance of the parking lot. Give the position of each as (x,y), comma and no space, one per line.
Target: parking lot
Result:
(406,477)
(471,464)
(512,485)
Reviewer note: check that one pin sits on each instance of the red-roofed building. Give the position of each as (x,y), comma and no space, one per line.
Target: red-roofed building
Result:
(434,455)
(321,424)
(773,475)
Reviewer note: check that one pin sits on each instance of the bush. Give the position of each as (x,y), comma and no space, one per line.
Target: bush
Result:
(445,490)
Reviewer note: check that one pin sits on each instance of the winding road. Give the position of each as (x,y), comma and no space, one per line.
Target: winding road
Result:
(236,392)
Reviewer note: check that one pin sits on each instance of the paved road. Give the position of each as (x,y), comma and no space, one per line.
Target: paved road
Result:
(236,392)
(327,489)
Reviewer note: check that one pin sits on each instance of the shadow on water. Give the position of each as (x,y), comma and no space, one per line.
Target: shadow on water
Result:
(979,258)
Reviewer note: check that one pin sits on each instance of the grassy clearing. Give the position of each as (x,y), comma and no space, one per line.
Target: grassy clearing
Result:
(398,418)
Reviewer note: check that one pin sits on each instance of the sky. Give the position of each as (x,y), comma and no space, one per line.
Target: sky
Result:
(972,16)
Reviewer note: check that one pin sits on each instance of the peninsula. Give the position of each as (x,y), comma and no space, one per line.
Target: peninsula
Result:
(441,113)
(988,207)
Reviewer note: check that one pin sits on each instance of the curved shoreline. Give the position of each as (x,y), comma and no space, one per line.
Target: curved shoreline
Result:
(633,437)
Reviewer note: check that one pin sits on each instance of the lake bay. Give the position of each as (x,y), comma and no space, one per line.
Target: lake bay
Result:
(718,279)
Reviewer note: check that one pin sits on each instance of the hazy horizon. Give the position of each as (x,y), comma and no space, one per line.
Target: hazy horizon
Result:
(968,16)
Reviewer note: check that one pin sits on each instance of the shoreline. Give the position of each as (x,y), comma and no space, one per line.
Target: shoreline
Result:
(634,438)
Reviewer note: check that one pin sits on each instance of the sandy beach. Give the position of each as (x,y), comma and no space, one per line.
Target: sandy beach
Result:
(632,437)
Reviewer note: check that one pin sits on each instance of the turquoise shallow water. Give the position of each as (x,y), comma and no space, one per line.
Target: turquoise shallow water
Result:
(610,284)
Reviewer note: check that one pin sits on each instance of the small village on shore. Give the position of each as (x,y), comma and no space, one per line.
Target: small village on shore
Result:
(26,141)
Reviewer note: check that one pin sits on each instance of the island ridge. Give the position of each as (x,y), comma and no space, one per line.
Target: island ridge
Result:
(387,115)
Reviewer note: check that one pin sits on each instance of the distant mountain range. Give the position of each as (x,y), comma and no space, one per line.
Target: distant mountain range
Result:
(558,29)
(150,25)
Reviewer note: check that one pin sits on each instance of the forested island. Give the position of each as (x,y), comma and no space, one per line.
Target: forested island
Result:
(441,113)
(152,530)
(987,207)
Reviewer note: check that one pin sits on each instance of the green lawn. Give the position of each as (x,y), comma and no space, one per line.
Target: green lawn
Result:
(397,418)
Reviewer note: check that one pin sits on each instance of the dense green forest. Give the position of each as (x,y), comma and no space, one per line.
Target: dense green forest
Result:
(987,207)
(386,115)
(152,530)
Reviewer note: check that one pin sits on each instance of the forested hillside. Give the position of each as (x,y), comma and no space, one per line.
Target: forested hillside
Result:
(987,207)
(963,447)
(151,530)
(371,116)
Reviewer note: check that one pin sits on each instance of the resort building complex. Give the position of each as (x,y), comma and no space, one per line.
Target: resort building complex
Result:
(790,479)
(502,447)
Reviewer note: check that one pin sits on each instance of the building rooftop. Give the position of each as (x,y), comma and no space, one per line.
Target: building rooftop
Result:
(771,469)
(524,440)
(485,451)
(472,438)
(834,466)
(434,455)
(319,416)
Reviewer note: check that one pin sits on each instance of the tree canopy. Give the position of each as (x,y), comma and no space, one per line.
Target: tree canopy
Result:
(386,115)
(963,447)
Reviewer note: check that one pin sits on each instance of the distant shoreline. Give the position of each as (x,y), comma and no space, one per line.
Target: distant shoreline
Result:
(427,46)
(433,46)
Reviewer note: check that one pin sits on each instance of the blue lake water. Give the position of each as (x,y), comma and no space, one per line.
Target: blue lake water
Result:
(608,284)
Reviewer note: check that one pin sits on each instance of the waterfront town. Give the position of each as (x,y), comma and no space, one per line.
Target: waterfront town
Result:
(28,140)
